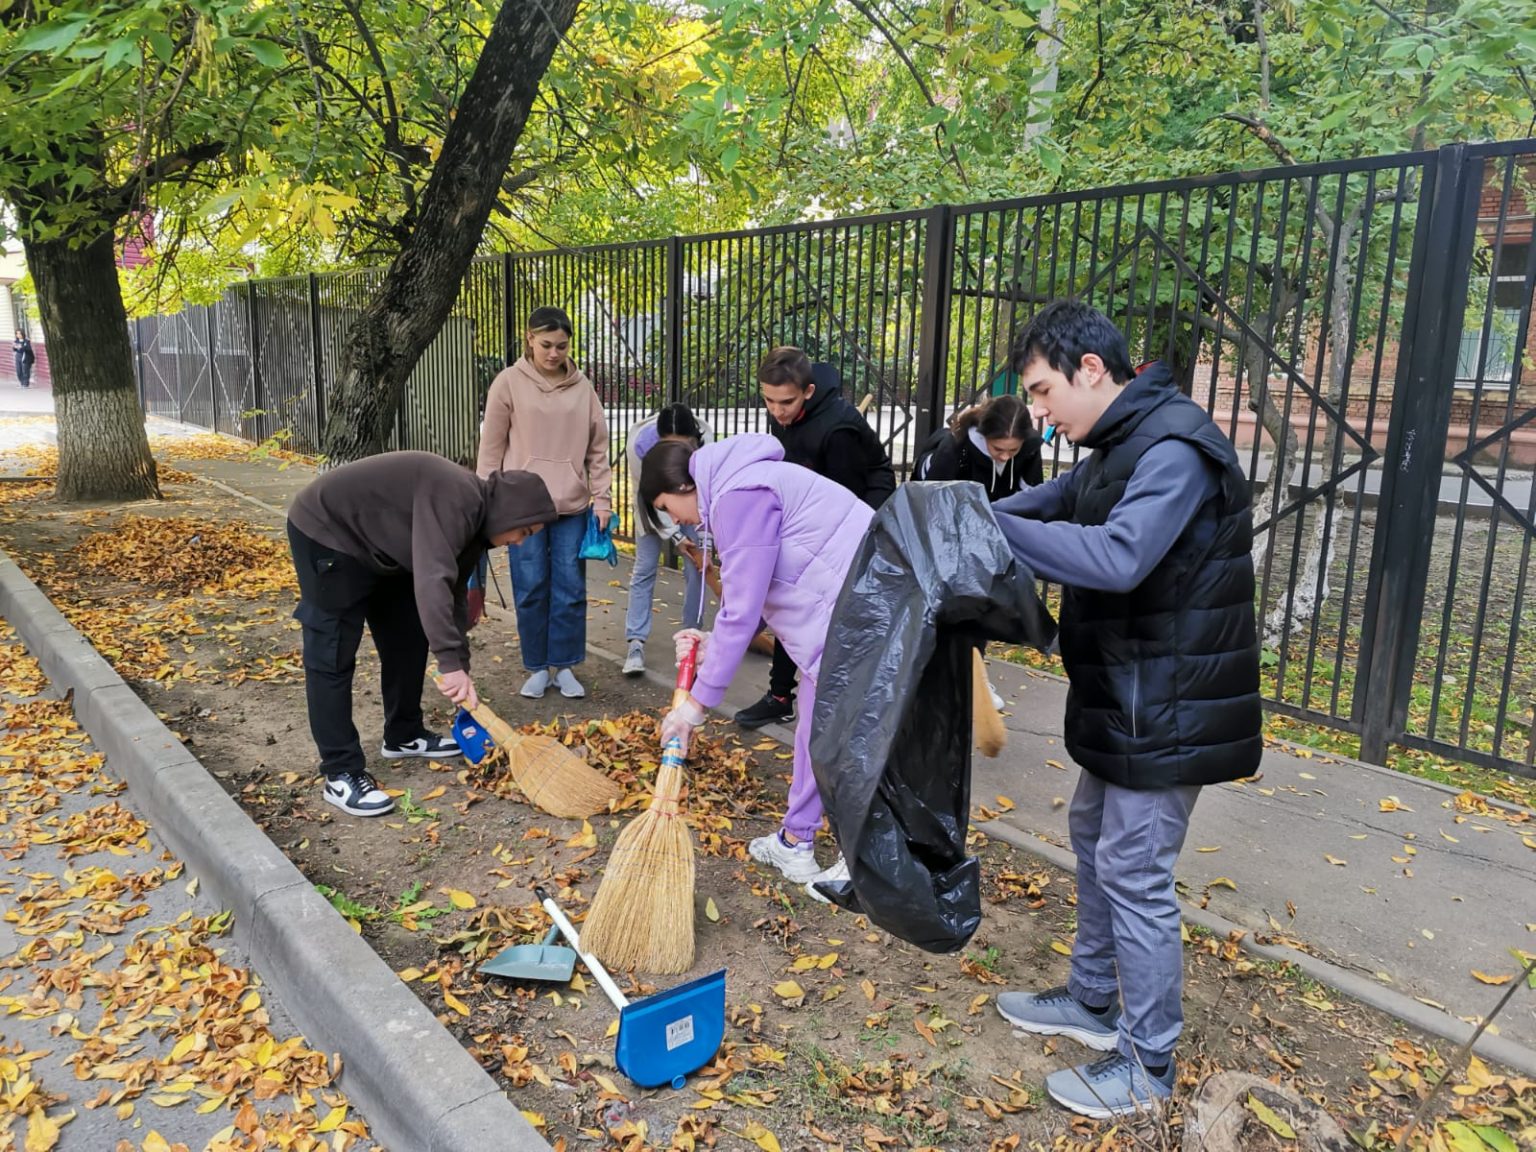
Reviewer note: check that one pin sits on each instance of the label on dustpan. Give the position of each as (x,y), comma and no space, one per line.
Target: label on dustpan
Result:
(679,1032)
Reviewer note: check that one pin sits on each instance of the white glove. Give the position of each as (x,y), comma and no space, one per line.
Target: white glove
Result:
(681,721)
(694,639)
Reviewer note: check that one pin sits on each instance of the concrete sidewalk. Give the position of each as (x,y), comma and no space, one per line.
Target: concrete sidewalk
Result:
(1401,893)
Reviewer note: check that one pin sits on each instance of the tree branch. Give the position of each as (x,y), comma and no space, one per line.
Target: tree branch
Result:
(126,196)
(1263,43)
(1265,134)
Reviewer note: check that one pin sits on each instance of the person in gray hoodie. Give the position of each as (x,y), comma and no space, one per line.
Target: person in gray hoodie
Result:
(390,542)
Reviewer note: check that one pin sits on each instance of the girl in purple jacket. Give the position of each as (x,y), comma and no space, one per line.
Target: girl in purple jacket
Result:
(785,538)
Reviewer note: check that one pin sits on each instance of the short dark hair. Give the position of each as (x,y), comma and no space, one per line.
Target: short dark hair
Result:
(548,319)
(786,365)
(1065,331)
(663,470)
(679,420)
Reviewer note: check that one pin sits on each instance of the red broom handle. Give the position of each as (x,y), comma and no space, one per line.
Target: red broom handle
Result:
(687,667)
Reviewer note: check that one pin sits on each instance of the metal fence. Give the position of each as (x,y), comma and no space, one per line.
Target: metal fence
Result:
(1359,329)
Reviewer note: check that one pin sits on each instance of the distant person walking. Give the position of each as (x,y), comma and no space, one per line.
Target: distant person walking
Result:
(543,416)
(21,348)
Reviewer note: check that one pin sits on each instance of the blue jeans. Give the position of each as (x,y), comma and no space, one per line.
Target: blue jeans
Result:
(642,587)
(549,586)
(1126,843)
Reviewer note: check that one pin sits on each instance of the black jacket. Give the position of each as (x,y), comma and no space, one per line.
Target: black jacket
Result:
(833,440)
(948,455)
(25,357)
(1165,678)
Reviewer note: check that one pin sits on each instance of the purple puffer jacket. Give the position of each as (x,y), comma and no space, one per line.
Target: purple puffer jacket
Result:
(786,538)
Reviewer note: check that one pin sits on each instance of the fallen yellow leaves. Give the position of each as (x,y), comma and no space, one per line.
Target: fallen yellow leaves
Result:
(186,554)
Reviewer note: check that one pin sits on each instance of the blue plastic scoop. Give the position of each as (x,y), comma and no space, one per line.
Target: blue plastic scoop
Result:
(663,1037)
(473,740)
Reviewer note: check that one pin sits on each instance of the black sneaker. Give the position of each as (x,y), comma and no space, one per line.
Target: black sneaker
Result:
(770,709)
(426,746)
(359,794)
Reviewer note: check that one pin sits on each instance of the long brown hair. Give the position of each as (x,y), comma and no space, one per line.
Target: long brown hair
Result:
(1001,418)
(663,469)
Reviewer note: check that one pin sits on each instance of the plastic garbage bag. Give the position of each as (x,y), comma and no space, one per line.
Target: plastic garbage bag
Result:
(891,744)
(597,544)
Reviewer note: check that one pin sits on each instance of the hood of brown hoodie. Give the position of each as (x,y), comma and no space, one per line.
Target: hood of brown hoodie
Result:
(515,500)
(573,375)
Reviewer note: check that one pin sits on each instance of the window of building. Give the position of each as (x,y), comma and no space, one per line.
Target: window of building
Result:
(1488,338)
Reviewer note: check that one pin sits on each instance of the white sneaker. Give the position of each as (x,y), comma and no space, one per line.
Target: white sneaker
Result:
(359,794)
(837,874)
(536,685)
(569,686)
(797,862)
(634,663)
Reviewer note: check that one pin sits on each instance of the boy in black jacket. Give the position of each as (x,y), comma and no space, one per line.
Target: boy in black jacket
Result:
(822,431)
(1150,538)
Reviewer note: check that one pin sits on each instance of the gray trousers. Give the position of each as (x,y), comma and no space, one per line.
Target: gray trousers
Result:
(1127,841)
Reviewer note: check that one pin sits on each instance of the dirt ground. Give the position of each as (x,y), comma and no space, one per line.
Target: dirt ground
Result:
(838,1035)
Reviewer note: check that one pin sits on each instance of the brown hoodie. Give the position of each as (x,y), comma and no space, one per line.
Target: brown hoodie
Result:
(552,428)
(420,513)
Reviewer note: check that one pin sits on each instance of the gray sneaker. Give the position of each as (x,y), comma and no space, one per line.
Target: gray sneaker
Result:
(634,663)
(1111,1086)
(1056,1012)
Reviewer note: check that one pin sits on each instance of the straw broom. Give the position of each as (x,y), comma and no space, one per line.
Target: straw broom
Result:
(642,914)
(986,724)
(550,775)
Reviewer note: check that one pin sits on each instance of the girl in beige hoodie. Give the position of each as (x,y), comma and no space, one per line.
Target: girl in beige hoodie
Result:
(543,416)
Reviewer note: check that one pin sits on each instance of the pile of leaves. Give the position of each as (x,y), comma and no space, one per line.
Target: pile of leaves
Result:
(187,555)
(159,1020)
(1488,1112)
(212,447)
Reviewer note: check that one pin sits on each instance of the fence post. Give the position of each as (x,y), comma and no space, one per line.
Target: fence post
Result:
(508,332)
(673,303)
(1435,303)
(933,328)
(258,397)
(213,380)
(138,361)
(317,358)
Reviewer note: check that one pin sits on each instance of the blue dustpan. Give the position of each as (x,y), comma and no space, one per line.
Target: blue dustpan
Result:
(473,740)
(663,1037)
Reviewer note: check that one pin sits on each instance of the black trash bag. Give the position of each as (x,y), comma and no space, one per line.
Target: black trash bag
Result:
(891,742)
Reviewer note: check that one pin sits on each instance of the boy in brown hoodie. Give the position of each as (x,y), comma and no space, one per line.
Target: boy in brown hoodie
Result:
(390,541)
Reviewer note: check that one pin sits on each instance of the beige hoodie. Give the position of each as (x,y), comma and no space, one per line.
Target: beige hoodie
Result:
(552,428)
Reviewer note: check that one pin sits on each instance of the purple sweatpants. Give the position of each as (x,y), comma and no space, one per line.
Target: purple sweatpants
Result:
(803,818)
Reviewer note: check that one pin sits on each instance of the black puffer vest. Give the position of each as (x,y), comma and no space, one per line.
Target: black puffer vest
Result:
(1165,678)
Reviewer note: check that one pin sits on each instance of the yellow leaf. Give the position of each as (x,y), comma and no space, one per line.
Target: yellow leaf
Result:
(213,1104)
(43,1131)
(869,989)
(432,795)
(155,1142)
(332,1120)
(1334,860)
(760,1136)
(533,1118)
(1213,848)
(803,964)
(409,974)
(1528,842)
(455,1003)
(1269,1119)
(586,838)
(1058,946)
(183,1047)
(827,961)
(460,899)
(710,911)
(788,990)
(1006,804)
(1222,882)
(765,746)
(251,1002)
(613,1030)
(1484,978)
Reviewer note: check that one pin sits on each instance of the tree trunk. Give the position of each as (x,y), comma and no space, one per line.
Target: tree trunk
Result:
(1042,89)
(422,284)
(103,449)
(1256,361)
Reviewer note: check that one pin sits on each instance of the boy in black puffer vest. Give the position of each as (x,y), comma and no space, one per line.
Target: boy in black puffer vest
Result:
(1150,538)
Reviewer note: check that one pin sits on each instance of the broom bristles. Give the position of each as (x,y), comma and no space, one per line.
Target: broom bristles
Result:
(642,914)
(558,781)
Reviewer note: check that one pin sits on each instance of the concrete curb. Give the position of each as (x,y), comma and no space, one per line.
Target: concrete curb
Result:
(418,1087)
(1369,992)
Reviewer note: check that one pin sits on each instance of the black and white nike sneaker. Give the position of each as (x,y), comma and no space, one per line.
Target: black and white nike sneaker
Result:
(358,794)
(427,746)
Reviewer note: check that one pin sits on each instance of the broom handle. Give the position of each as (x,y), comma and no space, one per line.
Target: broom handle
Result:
(502,733)
(605,981)
(687,667)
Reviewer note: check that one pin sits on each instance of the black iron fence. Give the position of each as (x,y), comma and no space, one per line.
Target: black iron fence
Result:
(1359,329)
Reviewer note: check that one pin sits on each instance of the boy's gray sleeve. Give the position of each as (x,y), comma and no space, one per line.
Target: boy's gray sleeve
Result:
(1172,480)
(1040,502)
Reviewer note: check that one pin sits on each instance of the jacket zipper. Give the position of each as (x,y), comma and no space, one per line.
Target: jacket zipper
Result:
(1135,696)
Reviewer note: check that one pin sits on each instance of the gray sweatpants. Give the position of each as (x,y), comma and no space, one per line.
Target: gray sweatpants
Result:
(1127,841)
